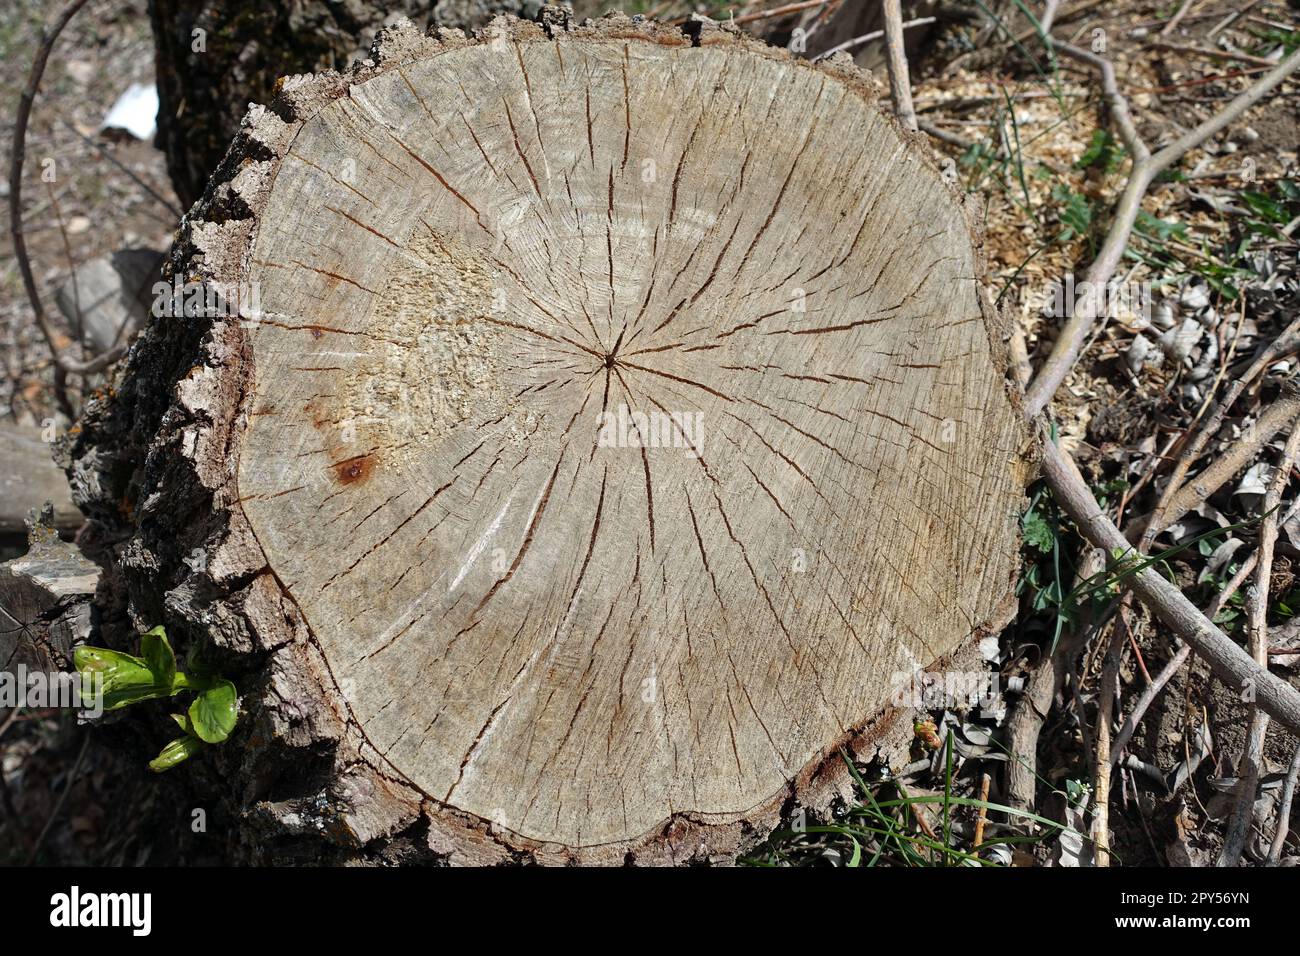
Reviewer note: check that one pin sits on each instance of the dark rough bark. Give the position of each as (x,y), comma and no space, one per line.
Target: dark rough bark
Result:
(246,47)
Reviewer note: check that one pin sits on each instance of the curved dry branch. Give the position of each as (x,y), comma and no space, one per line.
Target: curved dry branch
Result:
(1230,662)
(25,101)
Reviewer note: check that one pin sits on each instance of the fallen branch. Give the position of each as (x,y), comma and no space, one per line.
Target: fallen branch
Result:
(1025,721)
(1237,669)
(1213,53)
(1231,18)
(1049,15)
(1146,166)
(1274,419)
(1158,520)
(952,139)
(780,11)
(1176,18)
(1248,772)
(1157,684)
(766,14)
(868,37)
(1107,696)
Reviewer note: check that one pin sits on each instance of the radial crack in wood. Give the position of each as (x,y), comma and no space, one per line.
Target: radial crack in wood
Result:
(621,414)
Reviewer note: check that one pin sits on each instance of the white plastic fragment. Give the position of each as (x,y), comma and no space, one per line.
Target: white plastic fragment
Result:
(136,111)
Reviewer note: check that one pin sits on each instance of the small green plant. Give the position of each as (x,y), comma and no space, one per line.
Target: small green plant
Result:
(887,827)
(1271,208)
(1102,153)
(123,679)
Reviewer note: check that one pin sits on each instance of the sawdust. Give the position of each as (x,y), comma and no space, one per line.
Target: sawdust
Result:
(420,380)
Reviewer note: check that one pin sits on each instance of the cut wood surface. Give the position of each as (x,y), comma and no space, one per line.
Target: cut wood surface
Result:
(615,414)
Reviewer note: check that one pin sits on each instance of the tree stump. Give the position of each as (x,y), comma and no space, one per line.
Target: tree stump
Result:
(606,416)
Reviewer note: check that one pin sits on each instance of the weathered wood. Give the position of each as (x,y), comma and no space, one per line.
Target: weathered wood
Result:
(386,486)
(30,478)
(45,601)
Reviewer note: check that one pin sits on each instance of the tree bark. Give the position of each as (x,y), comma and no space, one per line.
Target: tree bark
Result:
(607,417)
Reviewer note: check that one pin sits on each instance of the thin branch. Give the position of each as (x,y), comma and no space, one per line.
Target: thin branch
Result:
(1107,695)
(1049,15)
(1153,689)
(1279,415)
(780,11)
(80,322)
(1284,810)
(123,168)
(767,14)
(1025,721)
(984,808)
(900,83)
(1248,773)
(1237,669)
(1176,19)
(868,37)
(1159,520)
(62,361)
(943,135)
(1213,53)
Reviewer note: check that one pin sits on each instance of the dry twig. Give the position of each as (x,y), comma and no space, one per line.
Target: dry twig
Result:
(1159,519)
(63,361)
(900,83)
(868,37)
(1248,772)
(1274,418)
(1213,53)
(982,817)
(1284,810)
(1157,684)
(1234,666)
(1176,19)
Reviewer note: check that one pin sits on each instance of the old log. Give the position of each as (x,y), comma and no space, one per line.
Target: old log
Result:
(597,422)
